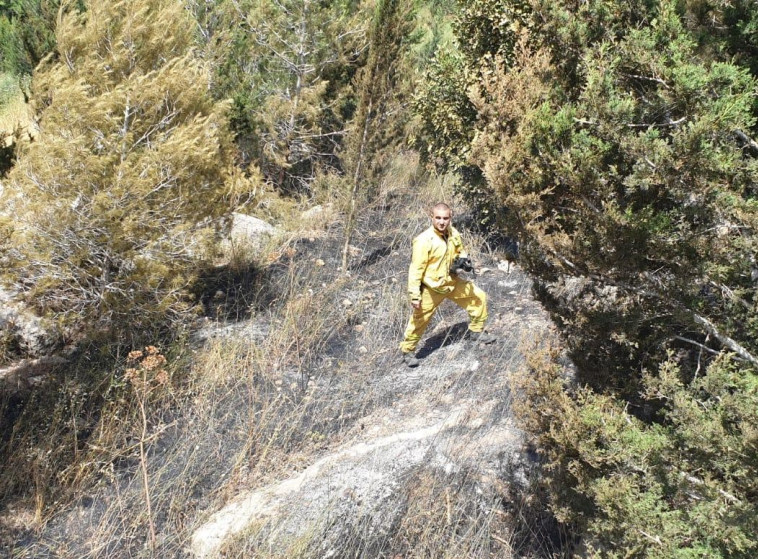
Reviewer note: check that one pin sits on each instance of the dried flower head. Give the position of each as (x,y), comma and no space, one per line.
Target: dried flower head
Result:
(162,377)
(134,355)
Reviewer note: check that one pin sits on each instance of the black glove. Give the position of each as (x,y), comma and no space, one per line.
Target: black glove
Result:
(461,263)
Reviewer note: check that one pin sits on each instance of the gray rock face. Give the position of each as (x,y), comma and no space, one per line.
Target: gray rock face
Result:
(447,420)
(30,333)
(32,341)
(361,483)
(249,230)
(26,373)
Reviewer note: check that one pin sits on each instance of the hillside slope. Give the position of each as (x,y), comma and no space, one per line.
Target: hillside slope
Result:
(317,441)
(446,423)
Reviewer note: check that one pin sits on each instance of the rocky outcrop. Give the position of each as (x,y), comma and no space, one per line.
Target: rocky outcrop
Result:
(27,373)
(448,420)
(248,230)
(28,344)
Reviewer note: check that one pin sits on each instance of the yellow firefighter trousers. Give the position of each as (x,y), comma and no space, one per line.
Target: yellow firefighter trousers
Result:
(465,294)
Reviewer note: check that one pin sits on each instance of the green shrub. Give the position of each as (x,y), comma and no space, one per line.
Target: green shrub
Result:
(684,485)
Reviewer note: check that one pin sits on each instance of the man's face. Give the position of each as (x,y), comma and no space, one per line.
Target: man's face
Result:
(441,219)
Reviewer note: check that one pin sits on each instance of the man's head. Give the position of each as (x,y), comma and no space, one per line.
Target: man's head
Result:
(441,216)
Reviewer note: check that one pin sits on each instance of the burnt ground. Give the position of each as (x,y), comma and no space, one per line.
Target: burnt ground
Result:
(447,421)
(378,460)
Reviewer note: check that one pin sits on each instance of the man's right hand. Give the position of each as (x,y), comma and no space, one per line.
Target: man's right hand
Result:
(416,304)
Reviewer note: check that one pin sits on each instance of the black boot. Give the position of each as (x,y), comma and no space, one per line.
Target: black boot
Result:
(410,359)
(481,337)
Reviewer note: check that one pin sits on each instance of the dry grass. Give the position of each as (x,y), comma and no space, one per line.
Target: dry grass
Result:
(118,472)
(15,114)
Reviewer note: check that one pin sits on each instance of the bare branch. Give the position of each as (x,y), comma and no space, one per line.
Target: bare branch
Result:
(658,124)
(724,339)
(656,539)
(731,295)
(711,328)
(647,79)
(587,122)
(750,142)
(698,344)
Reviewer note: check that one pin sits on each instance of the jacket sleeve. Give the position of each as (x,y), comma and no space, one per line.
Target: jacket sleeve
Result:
(460,250)
(419,260)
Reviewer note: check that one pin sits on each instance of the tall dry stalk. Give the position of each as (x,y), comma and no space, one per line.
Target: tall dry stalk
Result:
(148,375)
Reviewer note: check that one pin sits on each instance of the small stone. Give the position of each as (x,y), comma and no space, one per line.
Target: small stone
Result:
(359,328)
(504,266)
(313,213)
(347,303)
(362,349)
(320,262)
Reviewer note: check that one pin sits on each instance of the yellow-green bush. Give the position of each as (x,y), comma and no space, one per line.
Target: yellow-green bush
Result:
(114,203)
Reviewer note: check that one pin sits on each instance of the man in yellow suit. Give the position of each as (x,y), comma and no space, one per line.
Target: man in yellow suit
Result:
(431,281)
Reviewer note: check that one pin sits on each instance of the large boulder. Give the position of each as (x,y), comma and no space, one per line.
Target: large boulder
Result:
(250,231)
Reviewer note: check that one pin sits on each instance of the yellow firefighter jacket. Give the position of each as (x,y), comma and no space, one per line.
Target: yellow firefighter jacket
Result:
(432,256)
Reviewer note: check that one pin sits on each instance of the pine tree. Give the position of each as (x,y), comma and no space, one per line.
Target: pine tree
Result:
(378,121)
(288,64)
(110,212)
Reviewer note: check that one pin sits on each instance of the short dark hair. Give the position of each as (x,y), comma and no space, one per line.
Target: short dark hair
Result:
(441,206)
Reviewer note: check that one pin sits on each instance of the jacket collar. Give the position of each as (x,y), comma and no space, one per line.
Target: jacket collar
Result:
(446,236)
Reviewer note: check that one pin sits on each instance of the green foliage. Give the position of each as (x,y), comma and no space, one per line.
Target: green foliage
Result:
(621,138)
(113,202)
(288,67)
(628,183)
(27,33)
(380,86)
(434,29)
(447,116)
(487,32)
(490,27)
(378,125)
(732,26)
(629,164)
(8,89)
(684,486)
